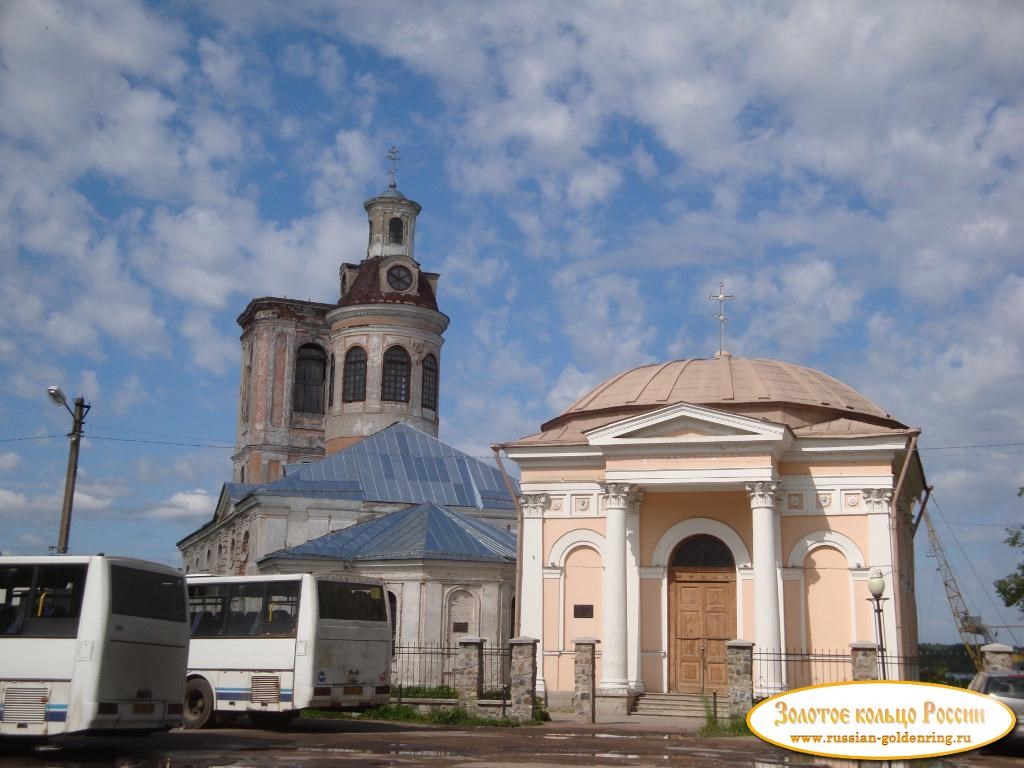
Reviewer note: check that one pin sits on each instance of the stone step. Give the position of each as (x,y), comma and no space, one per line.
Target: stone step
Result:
(678,705)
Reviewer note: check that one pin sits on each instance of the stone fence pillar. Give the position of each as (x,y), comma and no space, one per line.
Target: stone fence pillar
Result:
(996,657)
(469,671)
(864,656)
(740,661)
(523,688)
(584,700)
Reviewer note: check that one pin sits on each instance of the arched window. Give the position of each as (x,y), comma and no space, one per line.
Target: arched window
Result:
(703,551)
(241,474)
(395,385)
(430,382)
(330,385)
(353,378)
(308,394)
(395,231)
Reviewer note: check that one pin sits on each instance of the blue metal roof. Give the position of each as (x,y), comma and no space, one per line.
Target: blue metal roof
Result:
(398,464)
(423,532)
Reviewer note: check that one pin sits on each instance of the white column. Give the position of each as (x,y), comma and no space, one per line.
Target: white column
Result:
(531,591)
(767,625)
(882,548)
(636,683)
(614,668)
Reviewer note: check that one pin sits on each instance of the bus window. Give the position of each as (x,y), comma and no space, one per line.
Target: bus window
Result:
(206,607)
(359,602)
(15,589)
(282,609)
(146,594)
(41,600)
(244,609)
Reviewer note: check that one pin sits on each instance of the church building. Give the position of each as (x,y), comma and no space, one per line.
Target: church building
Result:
(338,415)
(680,506)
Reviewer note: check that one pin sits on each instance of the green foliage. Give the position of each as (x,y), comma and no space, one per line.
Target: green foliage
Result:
(424,692)
(1011,587)
(403,713)
(734,726)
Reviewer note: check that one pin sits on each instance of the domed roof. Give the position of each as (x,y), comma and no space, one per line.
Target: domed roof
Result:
(726,382)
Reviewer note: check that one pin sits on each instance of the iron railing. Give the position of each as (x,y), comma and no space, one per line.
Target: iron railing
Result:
(419,668)
(497,664)
(798,669)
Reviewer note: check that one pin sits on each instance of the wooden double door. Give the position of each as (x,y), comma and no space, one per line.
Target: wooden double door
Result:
(702,611)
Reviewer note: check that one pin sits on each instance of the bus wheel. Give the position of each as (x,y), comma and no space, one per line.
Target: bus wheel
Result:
(272,720)
(199,704)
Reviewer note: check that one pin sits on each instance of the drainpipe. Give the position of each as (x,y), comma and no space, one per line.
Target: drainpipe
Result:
(897,603)
(519,536)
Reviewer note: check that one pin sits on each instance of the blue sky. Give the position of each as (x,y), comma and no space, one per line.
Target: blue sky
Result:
(588,173)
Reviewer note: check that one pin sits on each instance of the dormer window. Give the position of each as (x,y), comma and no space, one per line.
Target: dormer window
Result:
(396,231)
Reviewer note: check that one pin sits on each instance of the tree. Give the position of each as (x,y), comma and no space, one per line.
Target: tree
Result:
(1011,587)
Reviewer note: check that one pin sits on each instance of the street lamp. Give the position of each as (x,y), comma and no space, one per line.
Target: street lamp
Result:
(876,586)
(75,436)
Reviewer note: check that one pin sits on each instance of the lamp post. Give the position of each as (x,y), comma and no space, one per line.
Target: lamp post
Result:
(876,586)
(75,436)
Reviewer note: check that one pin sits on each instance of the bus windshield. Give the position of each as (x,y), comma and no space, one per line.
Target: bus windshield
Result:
(41,600)
(358,602)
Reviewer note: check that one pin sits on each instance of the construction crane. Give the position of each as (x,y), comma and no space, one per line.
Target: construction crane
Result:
(970,627)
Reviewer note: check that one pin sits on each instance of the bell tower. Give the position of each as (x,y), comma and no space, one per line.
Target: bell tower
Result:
(386,331)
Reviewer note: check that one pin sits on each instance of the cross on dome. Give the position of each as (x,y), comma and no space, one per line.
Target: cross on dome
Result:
(394,156)
(721,298)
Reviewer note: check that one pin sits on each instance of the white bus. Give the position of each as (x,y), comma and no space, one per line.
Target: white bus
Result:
(90,644)
(270,646)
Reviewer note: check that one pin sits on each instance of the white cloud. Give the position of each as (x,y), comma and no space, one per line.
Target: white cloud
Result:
(184,505)
(129,393)
(13,505)
(9,460)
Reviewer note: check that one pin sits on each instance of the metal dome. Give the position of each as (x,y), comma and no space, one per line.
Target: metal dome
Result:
(722,381)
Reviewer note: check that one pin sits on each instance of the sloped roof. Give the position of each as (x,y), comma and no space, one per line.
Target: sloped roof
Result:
(398,464)
(423,532)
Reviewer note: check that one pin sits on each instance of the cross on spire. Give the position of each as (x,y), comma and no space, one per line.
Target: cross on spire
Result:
(394,157)
(721,298)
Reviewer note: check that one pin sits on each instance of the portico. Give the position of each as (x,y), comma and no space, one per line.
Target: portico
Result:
(668,532)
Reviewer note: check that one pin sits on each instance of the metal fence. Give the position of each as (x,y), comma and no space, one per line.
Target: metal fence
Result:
(423,669)
(892,667)
(797,669)
(497,671)
(423,666)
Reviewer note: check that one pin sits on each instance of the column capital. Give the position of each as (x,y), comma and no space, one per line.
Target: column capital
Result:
(763,493)
(534,504)
(620,495)
(877,499)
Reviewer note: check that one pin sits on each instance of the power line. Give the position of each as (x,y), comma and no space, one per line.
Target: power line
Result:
(970,565)
(155,434)
(223,446)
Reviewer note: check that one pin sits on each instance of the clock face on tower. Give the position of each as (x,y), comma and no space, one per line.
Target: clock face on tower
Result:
(400,278)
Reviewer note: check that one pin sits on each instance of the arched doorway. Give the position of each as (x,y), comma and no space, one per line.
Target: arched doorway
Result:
(702,614)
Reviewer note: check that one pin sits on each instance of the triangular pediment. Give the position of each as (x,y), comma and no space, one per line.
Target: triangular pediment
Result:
(684,423)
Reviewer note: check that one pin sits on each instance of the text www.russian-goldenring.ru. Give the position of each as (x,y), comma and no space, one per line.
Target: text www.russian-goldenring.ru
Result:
(904,737)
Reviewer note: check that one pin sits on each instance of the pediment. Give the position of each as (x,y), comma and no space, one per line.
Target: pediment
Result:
(684,423)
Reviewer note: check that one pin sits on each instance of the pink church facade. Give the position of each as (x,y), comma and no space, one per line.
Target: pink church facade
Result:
(677,507)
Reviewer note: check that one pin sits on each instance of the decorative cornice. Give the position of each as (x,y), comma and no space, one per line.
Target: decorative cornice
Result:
(763,493)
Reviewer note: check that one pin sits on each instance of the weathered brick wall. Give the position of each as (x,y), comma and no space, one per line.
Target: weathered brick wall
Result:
(523,689)
(740,660)
(583,705)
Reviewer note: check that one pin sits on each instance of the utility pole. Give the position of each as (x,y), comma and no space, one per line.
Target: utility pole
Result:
(75,437)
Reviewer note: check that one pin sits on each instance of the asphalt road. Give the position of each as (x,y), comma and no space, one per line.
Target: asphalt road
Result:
(340,743)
